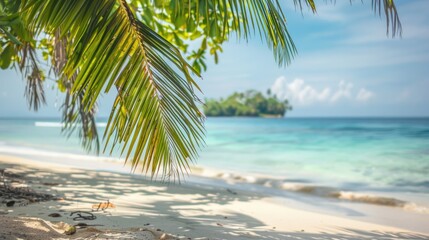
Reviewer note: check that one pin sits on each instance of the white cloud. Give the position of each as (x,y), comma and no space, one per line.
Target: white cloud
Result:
(301,93)
(298,91)
(364,95)
(344,91)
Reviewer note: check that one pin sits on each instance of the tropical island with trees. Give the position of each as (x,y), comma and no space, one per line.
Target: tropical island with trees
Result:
(250,103)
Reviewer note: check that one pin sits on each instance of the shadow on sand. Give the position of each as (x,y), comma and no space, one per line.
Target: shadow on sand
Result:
(191,212)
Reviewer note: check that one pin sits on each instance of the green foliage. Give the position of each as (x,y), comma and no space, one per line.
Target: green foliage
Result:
(248,104)
(209,24)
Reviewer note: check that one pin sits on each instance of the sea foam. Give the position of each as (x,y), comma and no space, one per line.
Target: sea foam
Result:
(323,191)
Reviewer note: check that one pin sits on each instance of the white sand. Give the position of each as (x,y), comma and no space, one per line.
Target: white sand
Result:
(185,211)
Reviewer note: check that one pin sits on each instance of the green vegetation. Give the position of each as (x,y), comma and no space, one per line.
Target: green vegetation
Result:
(138,49)
(248,104)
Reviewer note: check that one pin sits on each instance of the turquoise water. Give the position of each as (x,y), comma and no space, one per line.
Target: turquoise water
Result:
(362,153)
(368,152)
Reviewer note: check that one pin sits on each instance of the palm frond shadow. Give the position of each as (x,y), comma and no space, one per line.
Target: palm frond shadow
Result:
(169,202)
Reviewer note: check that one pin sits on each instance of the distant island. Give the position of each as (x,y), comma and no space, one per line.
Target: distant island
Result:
(247,104)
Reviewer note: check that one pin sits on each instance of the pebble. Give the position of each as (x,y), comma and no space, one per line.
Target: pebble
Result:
(55,215)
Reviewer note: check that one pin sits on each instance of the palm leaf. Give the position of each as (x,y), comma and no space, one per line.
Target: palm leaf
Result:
(21,48)
(309,3)
(393,24)
(155,116)
(74,115)
(380,7)
(29,66)
(245,18)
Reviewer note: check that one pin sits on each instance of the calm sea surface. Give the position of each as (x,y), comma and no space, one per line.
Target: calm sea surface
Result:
(367,153)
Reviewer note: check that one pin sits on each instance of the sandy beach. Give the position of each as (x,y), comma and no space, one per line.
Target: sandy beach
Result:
(169,211)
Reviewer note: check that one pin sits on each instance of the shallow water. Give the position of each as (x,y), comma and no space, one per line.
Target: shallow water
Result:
(347,152)
(352,154)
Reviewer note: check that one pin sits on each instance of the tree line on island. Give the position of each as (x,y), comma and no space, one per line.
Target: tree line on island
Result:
(247,104)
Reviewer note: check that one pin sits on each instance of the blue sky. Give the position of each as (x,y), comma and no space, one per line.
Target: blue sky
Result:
(346,66)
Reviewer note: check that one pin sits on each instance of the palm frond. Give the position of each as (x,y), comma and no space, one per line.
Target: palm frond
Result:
(380,7)
(388,7)
(21,49)
(29,66)
(75,118)
(309,3)
(155,116)
(245,18)
(74,114)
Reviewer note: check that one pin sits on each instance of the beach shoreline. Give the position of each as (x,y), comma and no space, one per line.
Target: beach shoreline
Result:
(194,209)
(289,185)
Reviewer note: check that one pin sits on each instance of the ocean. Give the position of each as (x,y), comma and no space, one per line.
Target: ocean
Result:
(381,155)
(373,152)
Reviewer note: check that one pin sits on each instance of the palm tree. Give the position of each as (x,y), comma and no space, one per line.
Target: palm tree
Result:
(137,48)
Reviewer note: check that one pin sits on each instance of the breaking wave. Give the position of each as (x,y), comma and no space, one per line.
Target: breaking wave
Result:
(325,192)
